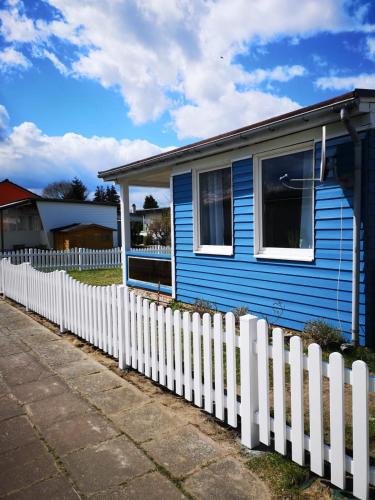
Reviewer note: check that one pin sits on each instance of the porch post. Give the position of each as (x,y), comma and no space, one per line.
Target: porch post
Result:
(125,227)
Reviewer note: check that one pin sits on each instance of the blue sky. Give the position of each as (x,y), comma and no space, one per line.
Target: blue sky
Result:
(91,85)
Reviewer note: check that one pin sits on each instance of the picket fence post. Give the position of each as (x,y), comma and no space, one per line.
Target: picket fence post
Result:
(249,381)
(61,285)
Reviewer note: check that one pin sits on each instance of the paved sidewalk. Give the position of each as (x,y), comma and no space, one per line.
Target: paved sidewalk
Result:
(72,428)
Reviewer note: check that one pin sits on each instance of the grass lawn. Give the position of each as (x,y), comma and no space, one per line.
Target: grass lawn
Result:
(99,276)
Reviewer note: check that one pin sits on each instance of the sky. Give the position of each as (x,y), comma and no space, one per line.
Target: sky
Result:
(90,85)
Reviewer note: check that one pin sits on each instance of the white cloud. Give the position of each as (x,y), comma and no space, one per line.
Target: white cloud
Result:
(56,62)
(178,54)
(371,48)
(234,109)
(10,58)
(32,158)
(364,81)
(4,120)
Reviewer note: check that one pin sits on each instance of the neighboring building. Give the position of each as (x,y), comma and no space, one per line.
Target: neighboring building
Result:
(82,236)
(9,192)
(31,222)
(253,224)
(145,217)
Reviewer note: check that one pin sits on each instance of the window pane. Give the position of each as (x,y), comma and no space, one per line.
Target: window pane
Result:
(215,207)
(287,205)
(150,270)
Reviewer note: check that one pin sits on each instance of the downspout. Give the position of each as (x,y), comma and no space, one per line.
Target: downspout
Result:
(357,202)
(2,230)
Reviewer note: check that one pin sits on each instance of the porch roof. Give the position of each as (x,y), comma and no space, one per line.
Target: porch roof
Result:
(168,158)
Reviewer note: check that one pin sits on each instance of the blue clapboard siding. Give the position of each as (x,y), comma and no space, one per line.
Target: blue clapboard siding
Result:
(369,232)
(287,293)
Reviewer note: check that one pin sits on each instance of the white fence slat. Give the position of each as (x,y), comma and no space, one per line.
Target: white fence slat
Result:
(154,349)
(178,352)
(114,289)
(279,390)
(169,347)
(219,366)
(207,362)
(187,355)
(230,331)
(249,381)
(360,430)
(146,336)
(109,336)
(296,393)
(337,423)
(161,344)
(133,330)
(121,326)
(263,380)
(197,358)
(140,334)
(316,409)
(127,327)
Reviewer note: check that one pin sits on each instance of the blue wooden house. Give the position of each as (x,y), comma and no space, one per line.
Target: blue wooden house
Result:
(277,216)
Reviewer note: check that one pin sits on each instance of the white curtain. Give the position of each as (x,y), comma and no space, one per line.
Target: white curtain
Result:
(212,208)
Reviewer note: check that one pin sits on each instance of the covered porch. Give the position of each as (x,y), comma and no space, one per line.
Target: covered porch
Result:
(149,267)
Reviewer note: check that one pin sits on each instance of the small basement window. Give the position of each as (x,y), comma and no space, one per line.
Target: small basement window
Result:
(213,211)
(284,206)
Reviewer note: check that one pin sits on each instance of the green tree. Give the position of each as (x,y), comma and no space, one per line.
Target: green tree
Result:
(78,191)
(150,202)
(111,195)
(100,194)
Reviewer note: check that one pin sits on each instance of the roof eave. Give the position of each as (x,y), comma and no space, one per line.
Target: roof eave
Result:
(240,134)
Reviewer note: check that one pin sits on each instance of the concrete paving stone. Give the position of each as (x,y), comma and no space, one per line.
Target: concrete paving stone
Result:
(59,353)
(18,361)
(96,382)
(40,389)
(46,412)
(79,431)
(79,368)
(39,335)
(183,451)
(22,368)
(10,346)
(4,389)
(122,398)
(107,465)
(22,455)
(227,479)
(56,488)
(151,486)
(9,408)
(147,421)
(24,474)
(16,432)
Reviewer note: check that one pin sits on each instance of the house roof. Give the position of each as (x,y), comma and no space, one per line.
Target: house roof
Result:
(10,192)
(77,226)
(240,133)
(27,201)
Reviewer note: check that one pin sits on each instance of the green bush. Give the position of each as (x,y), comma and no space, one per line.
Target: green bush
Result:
(322,333)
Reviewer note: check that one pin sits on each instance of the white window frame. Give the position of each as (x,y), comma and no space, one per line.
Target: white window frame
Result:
(260,252)
(197,247)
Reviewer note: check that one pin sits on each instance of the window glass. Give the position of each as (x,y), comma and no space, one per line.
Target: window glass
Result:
(287,204)
(215,207)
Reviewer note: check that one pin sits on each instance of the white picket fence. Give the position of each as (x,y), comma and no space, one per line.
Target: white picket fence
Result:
(153,249)
(74,258)
(225,372)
